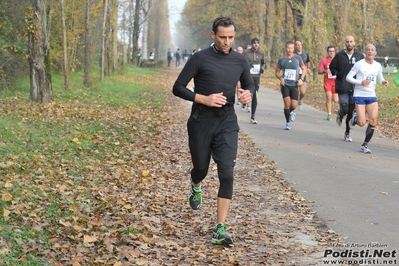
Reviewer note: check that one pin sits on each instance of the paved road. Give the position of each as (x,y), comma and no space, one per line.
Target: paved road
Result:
(356,194)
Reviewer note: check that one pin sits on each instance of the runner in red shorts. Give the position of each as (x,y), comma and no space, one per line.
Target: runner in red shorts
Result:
(329,80)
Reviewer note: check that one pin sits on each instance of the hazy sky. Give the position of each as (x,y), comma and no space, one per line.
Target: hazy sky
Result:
(175,8)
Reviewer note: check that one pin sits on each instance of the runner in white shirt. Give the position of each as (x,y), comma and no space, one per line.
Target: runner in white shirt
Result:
(364,75)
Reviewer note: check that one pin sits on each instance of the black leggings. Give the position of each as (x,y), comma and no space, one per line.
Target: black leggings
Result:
(225,173)
(346,107)
(254,103)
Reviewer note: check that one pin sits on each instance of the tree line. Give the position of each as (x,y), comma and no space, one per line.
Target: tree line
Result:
(41,37)
(317,23)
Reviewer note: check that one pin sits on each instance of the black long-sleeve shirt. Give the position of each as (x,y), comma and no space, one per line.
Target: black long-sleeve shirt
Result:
(340,66)
(214,72)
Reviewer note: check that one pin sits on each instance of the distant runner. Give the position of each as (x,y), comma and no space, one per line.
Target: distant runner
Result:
(290,64)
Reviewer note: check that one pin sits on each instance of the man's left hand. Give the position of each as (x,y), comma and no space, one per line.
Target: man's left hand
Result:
(262,70)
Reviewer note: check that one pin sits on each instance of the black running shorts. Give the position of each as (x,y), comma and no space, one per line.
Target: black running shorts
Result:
(215,135)
(290,91)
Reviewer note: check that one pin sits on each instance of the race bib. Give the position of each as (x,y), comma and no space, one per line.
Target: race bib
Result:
(255,70)
(370,78)
(290,74)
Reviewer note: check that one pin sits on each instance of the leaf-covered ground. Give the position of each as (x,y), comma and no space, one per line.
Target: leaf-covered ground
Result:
(111,189)
(271,223)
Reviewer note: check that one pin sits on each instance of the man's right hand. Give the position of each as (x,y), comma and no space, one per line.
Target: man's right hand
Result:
(245,96)
(282,81)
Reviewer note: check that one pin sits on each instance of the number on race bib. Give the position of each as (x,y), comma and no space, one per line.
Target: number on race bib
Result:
(290,74)
(255,69)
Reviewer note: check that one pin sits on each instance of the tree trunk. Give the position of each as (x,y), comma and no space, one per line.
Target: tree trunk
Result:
(114,37)
(109,40)
(104,31)
(260,20)
(65,42)
(87,67)
(287,31)
(144,46)
(269,31)
(341,10)
(317,39)
(136,32)
(40,77)
(299,13)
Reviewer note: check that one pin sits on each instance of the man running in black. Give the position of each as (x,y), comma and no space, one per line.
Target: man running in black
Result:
(256,59)
(212,126)
(340,66)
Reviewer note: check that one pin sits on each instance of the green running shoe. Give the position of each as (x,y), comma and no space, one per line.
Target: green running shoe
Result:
(220,236)
(195,197)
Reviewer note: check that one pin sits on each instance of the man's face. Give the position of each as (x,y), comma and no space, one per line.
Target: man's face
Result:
(224,38)
(331,52)
(370,51)
(240,49)
(289,49)
(255,46)
(298,46)
(350,43)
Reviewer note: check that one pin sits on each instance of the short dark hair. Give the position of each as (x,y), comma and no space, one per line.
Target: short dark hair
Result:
(224,22)
(330,46)
(289,42)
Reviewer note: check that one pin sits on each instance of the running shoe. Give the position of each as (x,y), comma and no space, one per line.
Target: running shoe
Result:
(195,197)
(353,121)
(339,118)
(329,117)
(300,105)
(243,107)
(253,120)
(347,138)
(287,126)
(249,109)
(220,236)
(292,116)
(365,149)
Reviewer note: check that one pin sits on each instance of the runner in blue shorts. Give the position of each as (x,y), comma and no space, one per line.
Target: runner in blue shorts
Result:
(364,75)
